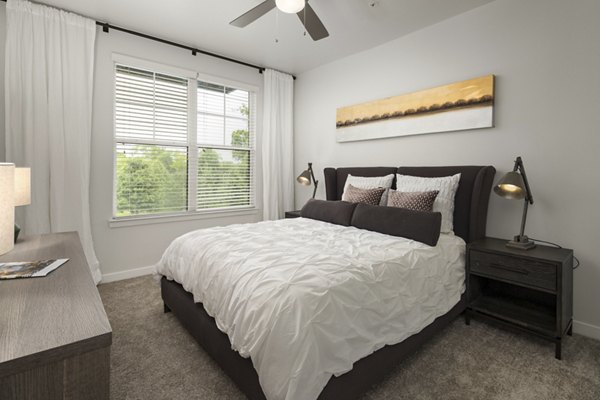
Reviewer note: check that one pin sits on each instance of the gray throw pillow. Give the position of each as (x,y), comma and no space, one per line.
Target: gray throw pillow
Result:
(421,226)
(334,212)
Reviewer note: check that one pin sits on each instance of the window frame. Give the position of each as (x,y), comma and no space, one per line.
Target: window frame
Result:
(192,212)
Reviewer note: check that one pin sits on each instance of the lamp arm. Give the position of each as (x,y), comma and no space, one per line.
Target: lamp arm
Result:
(519,166)
(316,182)
(523,219)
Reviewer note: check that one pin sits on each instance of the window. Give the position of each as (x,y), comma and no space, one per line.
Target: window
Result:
(225,155)
(170,162)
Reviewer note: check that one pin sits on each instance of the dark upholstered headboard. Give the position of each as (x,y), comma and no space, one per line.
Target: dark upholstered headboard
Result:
(470,204)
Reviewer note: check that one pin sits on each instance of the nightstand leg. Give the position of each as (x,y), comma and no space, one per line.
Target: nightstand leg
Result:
(558,349)
(570,331)
(467,318)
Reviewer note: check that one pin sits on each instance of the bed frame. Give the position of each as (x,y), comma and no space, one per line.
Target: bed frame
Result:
(470,216)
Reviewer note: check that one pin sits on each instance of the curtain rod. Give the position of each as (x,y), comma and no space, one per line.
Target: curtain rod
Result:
(106,28)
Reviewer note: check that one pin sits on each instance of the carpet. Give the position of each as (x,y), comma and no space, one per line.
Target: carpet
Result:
(153,357)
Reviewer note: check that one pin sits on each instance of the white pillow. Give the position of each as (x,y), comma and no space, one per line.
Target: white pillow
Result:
(364,182)
(444,202)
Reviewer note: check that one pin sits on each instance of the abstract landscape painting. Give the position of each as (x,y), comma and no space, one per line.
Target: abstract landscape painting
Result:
(458,106)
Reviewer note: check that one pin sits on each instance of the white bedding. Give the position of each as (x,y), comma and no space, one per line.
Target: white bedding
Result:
(306,299)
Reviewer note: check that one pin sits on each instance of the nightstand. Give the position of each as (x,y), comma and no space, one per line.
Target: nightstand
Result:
(292,214)
(530,290)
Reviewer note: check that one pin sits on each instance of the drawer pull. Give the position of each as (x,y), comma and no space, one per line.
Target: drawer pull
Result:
(511,269)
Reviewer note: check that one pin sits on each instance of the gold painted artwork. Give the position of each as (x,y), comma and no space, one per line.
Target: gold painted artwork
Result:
(472,93)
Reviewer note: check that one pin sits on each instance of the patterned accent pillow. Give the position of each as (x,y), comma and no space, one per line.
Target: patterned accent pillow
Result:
(370,182)
(365,196)
(416,201)
(444,202)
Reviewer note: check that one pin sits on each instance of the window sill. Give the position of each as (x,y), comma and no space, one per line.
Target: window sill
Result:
(168,218)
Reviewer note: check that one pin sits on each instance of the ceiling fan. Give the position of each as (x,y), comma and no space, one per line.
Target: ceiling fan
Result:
(301,8)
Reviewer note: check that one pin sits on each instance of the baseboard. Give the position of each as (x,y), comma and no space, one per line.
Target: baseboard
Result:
(582,328)
(130,273)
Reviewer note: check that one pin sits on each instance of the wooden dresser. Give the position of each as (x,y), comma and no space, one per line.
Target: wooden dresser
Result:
(54,333)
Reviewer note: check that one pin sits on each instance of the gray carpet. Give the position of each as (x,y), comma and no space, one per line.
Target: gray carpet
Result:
(153,357)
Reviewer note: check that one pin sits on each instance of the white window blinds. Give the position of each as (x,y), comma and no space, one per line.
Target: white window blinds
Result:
(164,163)
(150,107)
(225,146)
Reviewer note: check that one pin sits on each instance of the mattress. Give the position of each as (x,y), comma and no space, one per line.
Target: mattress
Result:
(305,299)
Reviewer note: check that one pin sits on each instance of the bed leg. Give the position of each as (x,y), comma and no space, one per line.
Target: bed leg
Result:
(166,308)
(467,318)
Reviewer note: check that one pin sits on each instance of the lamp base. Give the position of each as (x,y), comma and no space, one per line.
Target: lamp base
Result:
(521,243)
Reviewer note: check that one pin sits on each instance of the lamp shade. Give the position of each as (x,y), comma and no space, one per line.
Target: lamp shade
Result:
(511,186)
(7,207)
(22,186)
(290,6)
(304,178)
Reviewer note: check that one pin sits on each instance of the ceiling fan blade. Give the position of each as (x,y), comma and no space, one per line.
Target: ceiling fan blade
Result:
(313,24)
(254,14)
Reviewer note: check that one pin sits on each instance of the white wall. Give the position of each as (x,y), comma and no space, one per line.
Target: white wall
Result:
(546,59)
(122,249)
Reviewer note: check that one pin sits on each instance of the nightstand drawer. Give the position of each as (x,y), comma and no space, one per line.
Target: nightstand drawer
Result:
(518,270)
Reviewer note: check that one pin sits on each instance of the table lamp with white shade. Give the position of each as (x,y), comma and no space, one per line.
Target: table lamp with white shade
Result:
(7,207)
(22,191)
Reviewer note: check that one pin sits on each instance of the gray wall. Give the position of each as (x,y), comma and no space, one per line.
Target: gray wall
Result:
(122,249)
(546,59)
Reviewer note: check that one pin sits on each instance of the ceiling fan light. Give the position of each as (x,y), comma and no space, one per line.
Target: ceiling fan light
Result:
(290,6)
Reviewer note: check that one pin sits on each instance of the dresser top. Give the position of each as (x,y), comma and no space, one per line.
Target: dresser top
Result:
(45,319)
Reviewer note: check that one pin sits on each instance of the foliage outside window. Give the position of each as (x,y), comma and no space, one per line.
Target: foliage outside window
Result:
(166,163)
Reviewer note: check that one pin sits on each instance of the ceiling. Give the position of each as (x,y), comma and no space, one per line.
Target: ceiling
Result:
(353,25)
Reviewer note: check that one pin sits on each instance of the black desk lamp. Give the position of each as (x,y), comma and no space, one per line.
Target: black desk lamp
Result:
(514,186)
(305,178)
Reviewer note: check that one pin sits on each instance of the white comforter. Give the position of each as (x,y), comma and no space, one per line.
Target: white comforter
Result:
(306,299)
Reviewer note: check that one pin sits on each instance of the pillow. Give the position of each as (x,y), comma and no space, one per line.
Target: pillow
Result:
(334,212)
(444,202)
(365,182)
(421,226)
(416,201)
(367,196)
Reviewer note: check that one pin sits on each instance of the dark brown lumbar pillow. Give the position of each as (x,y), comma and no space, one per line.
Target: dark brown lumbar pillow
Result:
(421,226)
(365,196)
(334,212)
(416,201)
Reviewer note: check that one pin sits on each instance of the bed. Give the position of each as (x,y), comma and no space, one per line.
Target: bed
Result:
(348,381)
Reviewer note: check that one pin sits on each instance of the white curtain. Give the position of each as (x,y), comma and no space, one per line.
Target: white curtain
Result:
(48,88)
(278,144)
